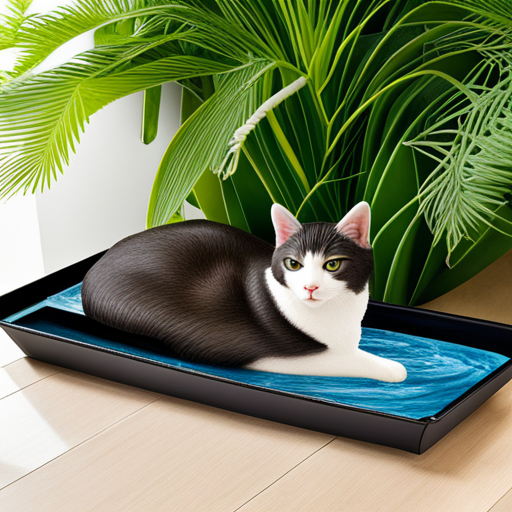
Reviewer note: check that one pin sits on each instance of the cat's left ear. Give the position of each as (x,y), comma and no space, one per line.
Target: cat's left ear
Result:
(356,224)
(285,224)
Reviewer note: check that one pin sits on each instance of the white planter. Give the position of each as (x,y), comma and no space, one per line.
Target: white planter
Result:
(103,195)
(21,260)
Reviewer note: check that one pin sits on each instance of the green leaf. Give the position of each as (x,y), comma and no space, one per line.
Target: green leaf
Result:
(175,218)
(202,141)
(41,35)
(490,247)
(150,112)
(189,103)
(394,208)
(409,57)
(324,53)
(61,101)
(472,143)
(254,201)
(498,10)
(11,22)
(408,262)
(389,237)
(233,206)
(286,148)
(396,114)
(433,265)
(208,194)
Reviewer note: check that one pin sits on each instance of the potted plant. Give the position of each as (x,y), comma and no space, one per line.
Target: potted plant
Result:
(403,104)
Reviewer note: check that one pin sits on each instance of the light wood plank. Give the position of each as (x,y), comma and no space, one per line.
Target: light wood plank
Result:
(488,295)
(469,470)
(505,503)
(171,456)
(23,373)
(9,351)
(47,419)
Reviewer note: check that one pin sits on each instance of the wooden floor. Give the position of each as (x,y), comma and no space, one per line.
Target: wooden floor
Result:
(71,442)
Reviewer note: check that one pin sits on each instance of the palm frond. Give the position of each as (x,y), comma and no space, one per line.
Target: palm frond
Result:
(41,118)
(498,10)
(42,34)
(11,23)
(472,144)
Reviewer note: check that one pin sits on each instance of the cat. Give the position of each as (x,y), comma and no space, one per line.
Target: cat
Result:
(214,294)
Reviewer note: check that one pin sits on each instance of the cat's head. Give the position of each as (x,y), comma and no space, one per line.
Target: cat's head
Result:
(320,261)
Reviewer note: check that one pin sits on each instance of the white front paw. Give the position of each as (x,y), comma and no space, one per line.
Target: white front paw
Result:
(396,372)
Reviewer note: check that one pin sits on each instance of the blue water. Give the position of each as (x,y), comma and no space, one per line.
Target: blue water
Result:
(438,372)
(68,300)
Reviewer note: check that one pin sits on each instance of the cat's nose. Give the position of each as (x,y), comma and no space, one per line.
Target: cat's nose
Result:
(311,288)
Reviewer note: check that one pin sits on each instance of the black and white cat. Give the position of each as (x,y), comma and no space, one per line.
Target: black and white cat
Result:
(215,294)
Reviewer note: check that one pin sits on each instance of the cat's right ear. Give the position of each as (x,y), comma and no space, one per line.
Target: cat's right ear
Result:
(285,224)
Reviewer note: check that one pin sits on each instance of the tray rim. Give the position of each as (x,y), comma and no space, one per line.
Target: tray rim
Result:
(197,373)
(486,387)
(457,402)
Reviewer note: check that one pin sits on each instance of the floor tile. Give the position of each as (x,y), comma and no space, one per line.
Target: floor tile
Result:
(23,373)
(171,456)
(48,418)
(469,470)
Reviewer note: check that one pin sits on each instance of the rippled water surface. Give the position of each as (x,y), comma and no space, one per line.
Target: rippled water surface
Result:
(438,371)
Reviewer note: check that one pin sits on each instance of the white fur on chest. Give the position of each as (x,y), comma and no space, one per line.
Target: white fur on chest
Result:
(336,323)
(319,303)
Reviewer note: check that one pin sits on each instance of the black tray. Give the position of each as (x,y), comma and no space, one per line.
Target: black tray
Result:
(415,436)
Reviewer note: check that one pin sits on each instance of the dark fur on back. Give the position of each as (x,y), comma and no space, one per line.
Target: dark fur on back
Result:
(323,238)
(199,287)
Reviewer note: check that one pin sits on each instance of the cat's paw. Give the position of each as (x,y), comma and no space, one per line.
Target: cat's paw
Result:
(396,372)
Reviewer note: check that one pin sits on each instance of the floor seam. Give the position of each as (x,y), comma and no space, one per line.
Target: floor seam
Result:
(284,474)
(509,490)
(15,360)
(81,443)
(31,384)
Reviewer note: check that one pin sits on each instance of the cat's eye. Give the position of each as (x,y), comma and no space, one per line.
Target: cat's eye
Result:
(292,264)
(332,265)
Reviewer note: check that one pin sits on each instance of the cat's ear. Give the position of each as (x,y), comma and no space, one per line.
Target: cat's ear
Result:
(285,224)
(356,224)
